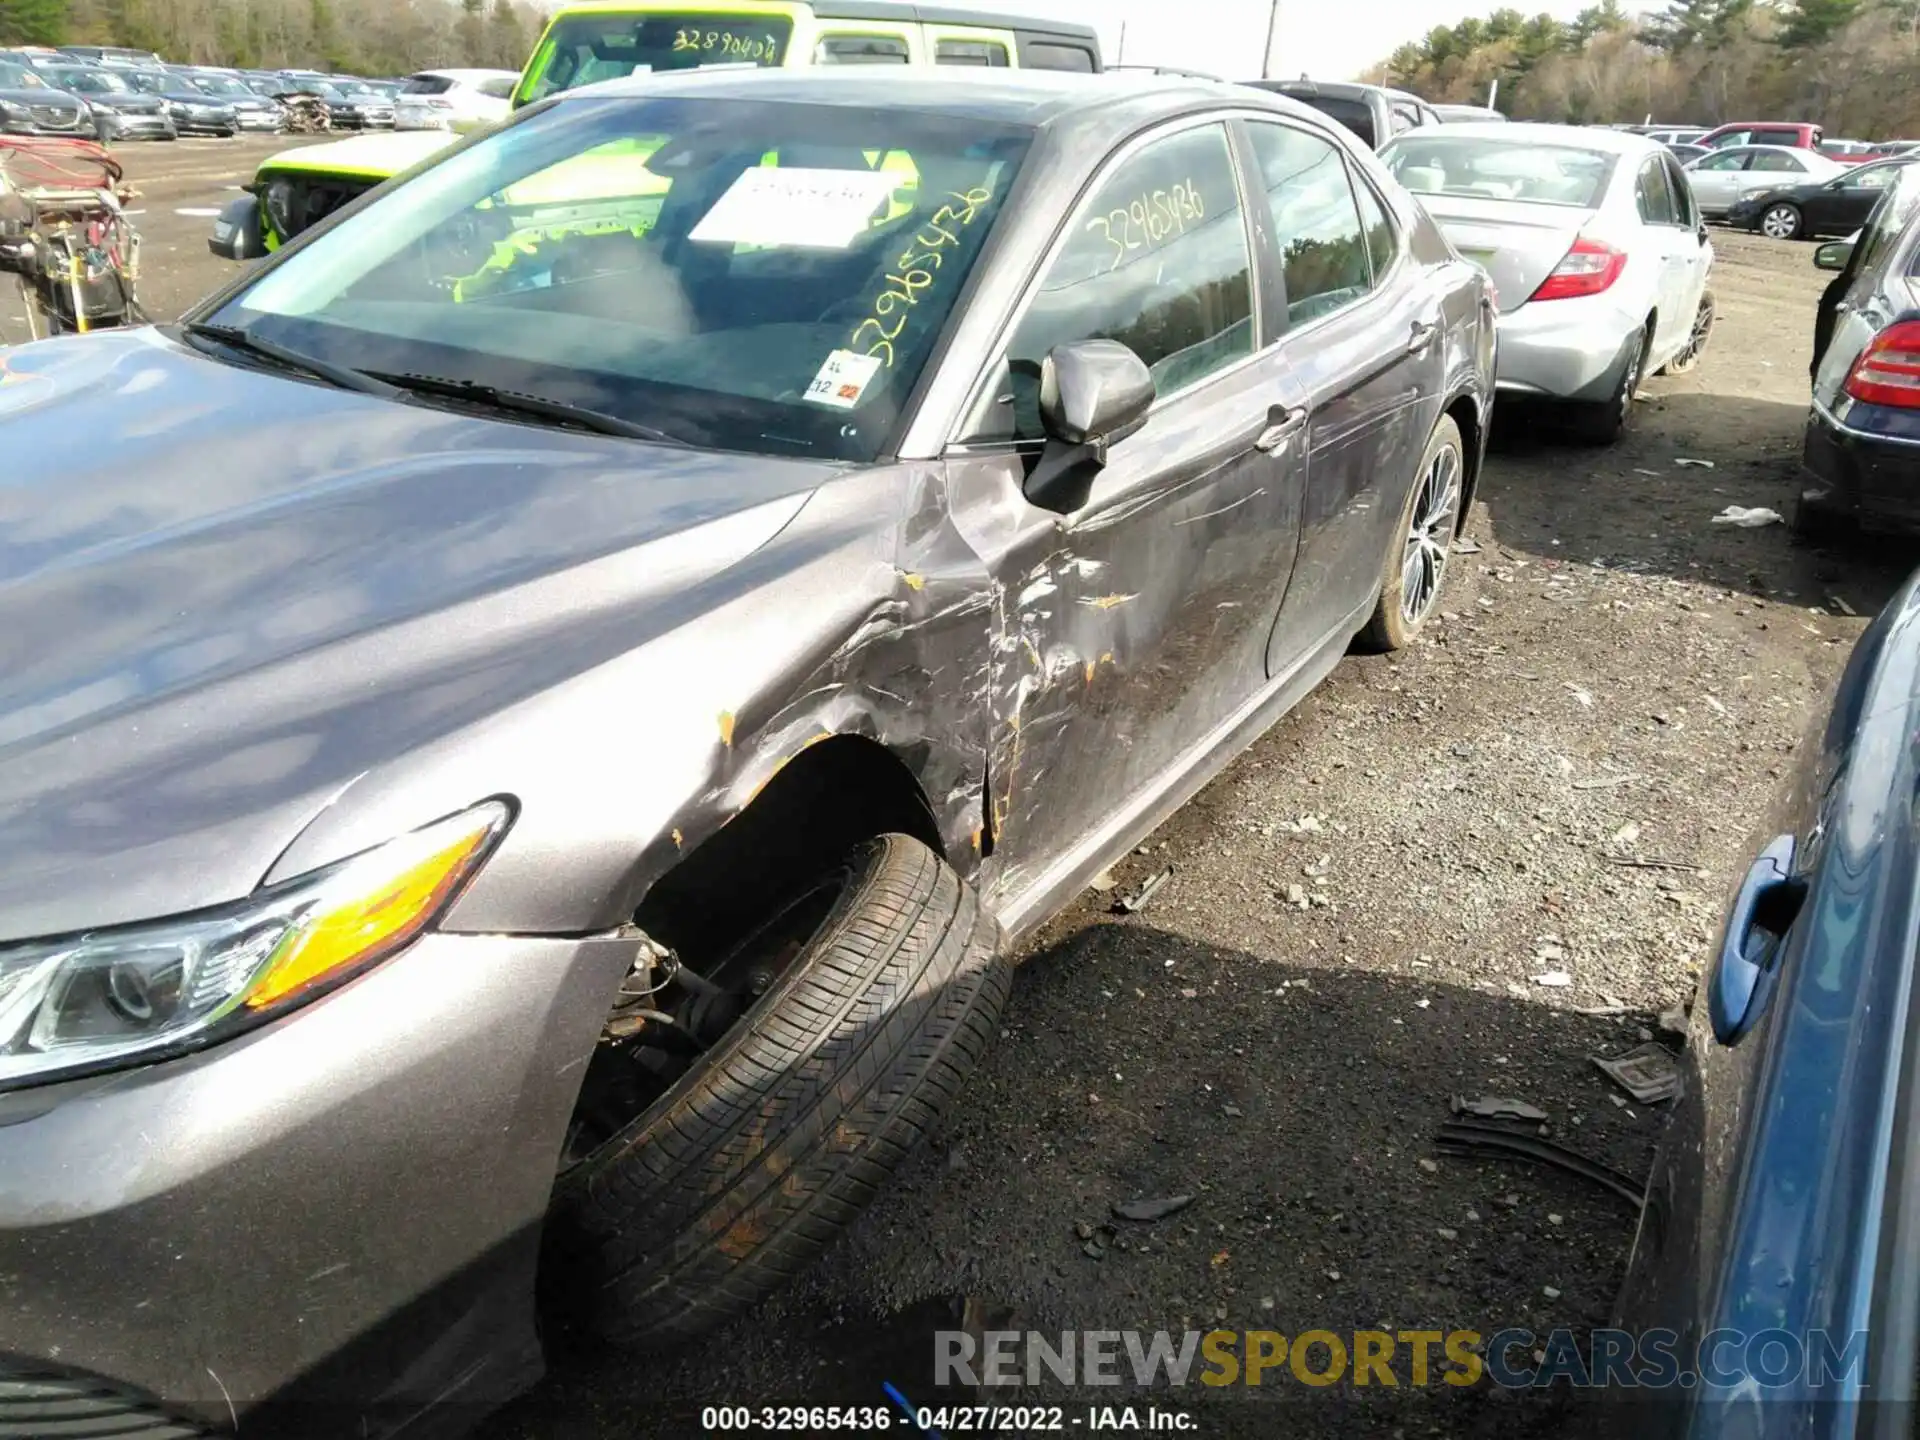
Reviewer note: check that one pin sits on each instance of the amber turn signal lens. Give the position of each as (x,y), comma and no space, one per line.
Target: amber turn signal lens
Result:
(371,908)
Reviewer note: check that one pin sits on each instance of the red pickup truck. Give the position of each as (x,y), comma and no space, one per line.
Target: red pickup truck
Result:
(1762,132)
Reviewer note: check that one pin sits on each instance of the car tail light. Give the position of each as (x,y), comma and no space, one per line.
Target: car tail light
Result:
(439,104)
(1589,268)
(1888,370)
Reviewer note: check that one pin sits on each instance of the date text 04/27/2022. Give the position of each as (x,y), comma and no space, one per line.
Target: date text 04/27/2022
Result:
(939,1421)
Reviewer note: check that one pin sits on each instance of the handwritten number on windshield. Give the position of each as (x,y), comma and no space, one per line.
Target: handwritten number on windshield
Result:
(1149,220)
(742,47)
(915,271)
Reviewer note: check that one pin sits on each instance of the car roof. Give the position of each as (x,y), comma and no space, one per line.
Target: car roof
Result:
(1334,89)
(1528,132)
(1020,97)
(467,74)
(893,10)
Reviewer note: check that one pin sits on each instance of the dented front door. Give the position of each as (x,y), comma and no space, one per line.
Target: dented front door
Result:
(1131,630)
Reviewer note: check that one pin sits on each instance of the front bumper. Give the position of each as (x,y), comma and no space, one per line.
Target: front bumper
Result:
(19,123)
(1564,349)
(270,122)
(1745,214)
(320,1227)
(137,127)
(1873,479)
(207,124)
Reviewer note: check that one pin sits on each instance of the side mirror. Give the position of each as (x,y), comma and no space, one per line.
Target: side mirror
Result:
(1833,255)
(1093,394)
(237,233)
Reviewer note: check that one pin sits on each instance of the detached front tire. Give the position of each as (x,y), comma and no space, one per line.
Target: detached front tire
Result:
(770,1147)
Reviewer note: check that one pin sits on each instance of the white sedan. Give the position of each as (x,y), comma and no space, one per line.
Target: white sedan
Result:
(458,100)
(1727,176)
(1594,243)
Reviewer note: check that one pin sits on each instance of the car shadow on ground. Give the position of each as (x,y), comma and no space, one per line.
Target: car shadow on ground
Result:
(1296,1103)
(1634,506)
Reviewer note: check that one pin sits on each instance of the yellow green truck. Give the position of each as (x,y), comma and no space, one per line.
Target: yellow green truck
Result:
(587,43)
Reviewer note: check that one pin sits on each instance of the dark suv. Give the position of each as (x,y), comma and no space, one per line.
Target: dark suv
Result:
(1373,113)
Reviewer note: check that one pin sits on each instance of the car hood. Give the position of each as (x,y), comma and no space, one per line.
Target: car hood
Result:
(195,602)
(39,97)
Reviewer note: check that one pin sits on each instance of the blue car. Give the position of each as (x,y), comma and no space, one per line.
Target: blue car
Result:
(1779,1245)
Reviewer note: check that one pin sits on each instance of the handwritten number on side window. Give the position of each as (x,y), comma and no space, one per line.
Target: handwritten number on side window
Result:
(1148,220)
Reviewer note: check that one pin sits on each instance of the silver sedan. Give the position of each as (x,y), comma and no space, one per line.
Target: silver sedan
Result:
(1594,244)
(1723,178)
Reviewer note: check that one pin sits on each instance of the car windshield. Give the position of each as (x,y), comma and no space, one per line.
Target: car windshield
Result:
(741,275)
(221,85)
(583,49)
(91,82)
(13,77)
(154,82)
(1490,169)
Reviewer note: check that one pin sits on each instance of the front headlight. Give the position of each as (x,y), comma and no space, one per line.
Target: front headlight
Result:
(124,997)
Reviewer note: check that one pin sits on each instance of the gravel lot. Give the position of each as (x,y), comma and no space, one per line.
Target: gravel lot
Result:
(1352,934)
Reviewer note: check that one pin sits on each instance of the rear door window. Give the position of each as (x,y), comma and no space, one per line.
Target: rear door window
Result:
(427,85)
(501,89)
(1776,137)
(1774,161)
(1052,55)
(1731,160)
(861,50)
(1316,224)
(1651,194)
(988,53)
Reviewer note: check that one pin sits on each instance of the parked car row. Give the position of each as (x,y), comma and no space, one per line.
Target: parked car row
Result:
(127,97)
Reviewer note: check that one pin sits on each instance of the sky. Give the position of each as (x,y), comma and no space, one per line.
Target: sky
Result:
(1327,39)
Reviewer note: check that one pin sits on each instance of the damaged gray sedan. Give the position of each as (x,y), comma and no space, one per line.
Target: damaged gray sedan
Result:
(531,726)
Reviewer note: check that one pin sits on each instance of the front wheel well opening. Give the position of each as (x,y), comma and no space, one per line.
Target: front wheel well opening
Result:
(826,800)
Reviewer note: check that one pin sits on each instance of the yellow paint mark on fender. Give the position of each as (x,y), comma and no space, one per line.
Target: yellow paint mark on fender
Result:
(914,582)
(1091,667)
(679,840)
(726,728)
(1109,602)
(978,832)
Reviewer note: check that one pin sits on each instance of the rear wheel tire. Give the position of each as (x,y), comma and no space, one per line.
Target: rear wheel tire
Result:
(1603,423)
(1781,222)
(1416,563)
(770,1147)
(1697,338)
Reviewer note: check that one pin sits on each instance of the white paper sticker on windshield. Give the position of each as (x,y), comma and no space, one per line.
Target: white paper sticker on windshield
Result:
(781,206)
(843,379)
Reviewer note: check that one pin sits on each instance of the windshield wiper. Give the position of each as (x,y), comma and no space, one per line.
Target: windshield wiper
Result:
(515,402)
(238,337)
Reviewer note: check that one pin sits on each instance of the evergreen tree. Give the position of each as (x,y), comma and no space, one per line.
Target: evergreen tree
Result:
(33,22)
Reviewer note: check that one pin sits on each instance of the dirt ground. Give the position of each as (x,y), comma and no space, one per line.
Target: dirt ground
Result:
(1358,911)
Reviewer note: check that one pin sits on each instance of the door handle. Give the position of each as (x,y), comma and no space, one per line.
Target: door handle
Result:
(1282,430)
(1423,333)
(1743,976)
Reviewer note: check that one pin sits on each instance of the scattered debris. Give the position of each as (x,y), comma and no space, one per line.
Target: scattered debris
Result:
(1465,547)
(1554,979)
(1134,904)
(1149,1210)
(1430,1166)
(1688,463)
(1469,1137)
(1632,864)
(1674,1021)
(1607,783)
(1841,605)
(1446,1232)
(1626,834)
(1746,519)
(1497,1107)
(1232,1112)
(1581,697)
(1103,882)
(1554,1219)
(1654,473)
(1549,1292)
(1648,1072)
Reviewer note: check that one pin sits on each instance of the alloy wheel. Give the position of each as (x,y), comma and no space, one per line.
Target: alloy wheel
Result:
(1782,222)
(1430,536)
